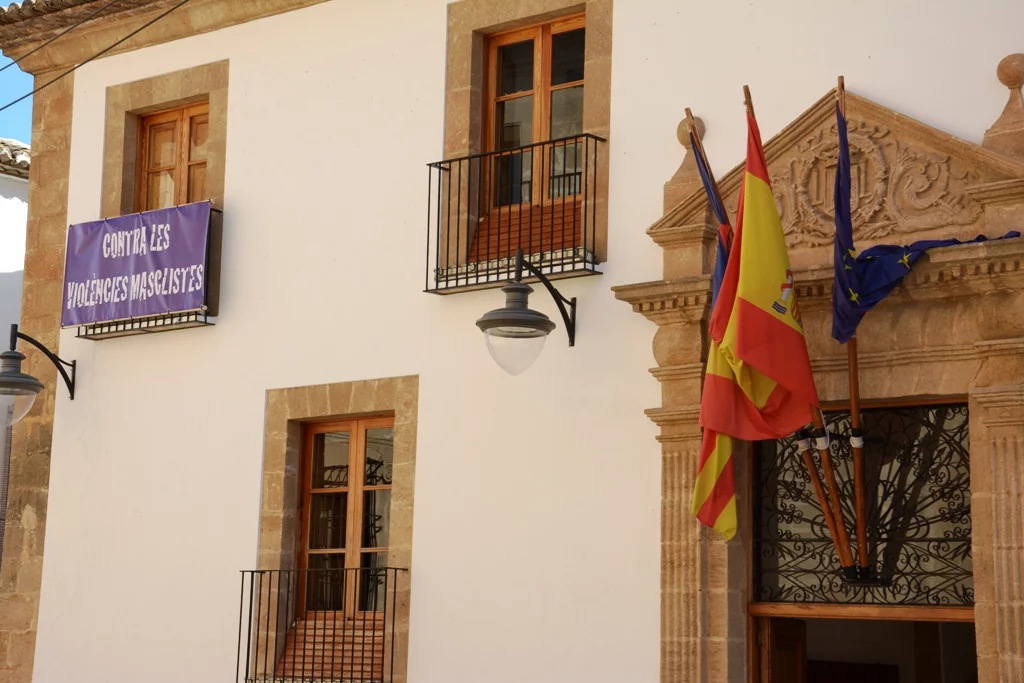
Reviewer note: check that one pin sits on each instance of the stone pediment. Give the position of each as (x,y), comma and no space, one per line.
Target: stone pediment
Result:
(910,182)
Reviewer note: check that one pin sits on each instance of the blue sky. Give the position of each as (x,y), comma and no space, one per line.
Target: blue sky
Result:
(15,122)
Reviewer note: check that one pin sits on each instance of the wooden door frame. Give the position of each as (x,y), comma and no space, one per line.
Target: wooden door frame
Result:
(758,611)
(542,35)
(357,428)
(182,118)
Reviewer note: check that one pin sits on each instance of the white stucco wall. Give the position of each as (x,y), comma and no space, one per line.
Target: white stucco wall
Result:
(534,559)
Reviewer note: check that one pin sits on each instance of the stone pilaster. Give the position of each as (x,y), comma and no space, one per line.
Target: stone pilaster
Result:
(704,578)
(997,506)
(22,569)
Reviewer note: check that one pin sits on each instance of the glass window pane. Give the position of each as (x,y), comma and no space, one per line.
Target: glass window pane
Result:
(325,582)
(330,460)
(513,172)
(198,136)
(566,112)
(376,518)
(515,68)
(380,456)
(160,190)
(566,173)
(567,56)
(374,582)
(514,122)
(197,183)
(328,516)
(162,139)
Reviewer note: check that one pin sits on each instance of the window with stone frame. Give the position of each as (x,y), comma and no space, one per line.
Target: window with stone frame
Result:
(165,142)
(173,153)
(525,163)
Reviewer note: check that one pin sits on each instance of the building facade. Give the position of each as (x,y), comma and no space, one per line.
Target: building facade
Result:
(338,451)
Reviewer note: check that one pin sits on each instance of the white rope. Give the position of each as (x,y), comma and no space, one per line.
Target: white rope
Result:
(821,442)
(803,444)
(857,441)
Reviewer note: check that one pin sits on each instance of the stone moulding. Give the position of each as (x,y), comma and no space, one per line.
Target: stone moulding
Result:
(944,273)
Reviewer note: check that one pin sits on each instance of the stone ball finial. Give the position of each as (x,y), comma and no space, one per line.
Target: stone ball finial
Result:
(1011,71)
(683,134)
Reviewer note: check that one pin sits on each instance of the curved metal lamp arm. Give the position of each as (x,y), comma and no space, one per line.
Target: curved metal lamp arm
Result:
(58,363)
(568,316)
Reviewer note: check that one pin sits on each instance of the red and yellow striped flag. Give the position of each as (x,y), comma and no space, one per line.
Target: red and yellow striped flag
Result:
(758,382)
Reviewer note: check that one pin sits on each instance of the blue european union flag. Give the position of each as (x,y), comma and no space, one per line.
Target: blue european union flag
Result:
(863,280)
(724,228)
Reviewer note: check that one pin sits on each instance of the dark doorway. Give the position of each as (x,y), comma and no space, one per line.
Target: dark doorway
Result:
(860,651)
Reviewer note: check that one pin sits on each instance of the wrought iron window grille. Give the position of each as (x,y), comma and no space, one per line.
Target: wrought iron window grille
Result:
(917,467)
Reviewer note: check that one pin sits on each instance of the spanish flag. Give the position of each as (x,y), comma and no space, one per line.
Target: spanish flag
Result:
(758,382)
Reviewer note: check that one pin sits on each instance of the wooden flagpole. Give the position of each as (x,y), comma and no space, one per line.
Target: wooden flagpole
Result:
(698,149)
(831,504)
(856,434)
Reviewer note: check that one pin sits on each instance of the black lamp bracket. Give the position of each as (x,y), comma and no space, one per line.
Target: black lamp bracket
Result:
(568,315)
(58,363)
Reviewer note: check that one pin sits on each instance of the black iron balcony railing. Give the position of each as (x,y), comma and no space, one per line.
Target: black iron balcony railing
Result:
(541,198)
(315,625)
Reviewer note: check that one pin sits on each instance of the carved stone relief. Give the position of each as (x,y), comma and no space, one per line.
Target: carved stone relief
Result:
(897,187)
(910,182)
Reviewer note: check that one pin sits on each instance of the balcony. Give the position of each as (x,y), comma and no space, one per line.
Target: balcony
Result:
(541,198)
(317,625)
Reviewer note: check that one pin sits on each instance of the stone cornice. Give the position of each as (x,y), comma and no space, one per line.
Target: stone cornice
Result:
(944,273)
(1000,347)
(1002,192)
(896,357)
(670,373)
(198,16)
(677,424)
(668,301)
(674,235)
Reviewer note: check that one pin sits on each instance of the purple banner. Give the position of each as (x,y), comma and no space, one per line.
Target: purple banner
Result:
(134,266)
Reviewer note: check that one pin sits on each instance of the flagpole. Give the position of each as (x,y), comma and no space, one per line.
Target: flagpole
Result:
(856,433)
(804,444)
(831,508)
(698,148)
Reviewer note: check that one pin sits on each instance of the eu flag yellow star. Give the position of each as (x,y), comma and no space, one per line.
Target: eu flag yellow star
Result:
(854,297)
(853,253)
(906,259)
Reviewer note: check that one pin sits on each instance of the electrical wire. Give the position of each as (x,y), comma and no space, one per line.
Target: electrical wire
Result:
(94,57)
(63,33)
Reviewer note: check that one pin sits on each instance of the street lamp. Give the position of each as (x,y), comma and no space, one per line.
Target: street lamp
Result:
(515,334)
(18,390)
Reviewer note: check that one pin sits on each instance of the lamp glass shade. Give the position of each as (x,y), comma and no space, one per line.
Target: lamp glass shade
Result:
(14,405)
(17,390)
(515,348)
